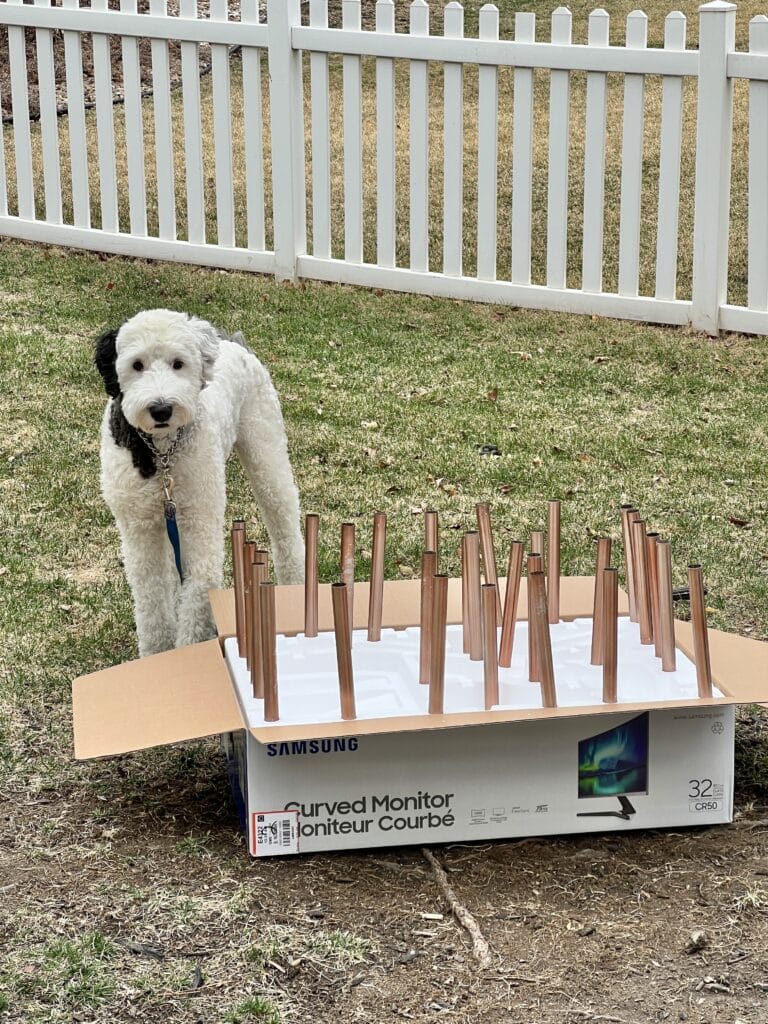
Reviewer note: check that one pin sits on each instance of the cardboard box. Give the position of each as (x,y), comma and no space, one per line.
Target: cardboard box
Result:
(419,778)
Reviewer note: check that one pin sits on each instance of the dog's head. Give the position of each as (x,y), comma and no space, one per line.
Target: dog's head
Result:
(157,363)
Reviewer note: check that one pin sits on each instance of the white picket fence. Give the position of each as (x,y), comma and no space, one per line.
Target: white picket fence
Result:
(125,192)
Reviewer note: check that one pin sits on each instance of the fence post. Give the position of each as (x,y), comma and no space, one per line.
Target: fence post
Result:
(717,35)
(286,104)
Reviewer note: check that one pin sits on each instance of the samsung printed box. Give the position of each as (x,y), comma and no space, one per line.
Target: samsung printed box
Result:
(396,775)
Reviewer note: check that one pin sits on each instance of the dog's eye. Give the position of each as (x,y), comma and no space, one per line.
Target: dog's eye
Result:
(138,366)
(178,364)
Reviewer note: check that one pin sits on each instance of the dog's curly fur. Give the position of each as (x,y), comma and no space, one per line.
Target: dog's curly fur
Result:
(164,372)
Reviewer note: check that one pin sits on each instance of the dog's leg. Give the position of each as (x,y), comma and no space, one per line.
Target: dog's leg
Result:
(151,575)
(263,449)
(201,534)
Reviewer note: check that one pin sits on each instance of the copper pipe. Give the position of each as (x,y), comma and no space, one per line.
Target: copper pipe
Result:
(641,582)
(431,531)
(472,572)
(249,556)
(700,634)
(634,517)
(437,646)
(269,651)
(666,612)
(553,562)
(464,596)
(238,579)
(509,618)
(487,549)
(542,640)
(598,617)
(428,571)
(653,589)
(259,575)
(609,584)
(490,648)
(629,564)
(311,529)
(376,593)
(343,632)
(348,569)
(535,564)
(538,544)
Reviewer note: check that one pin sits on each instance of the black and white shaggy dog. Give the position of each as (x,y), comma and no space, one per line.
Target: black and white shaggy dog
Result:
(181,396)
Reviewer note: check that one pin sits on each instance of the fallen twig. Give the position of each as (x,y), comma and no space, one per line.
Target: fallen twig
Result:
(480,948)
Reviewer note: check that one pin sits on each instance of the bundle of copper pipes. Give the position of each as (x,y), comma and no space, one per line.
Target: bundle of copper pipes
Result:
(648,569)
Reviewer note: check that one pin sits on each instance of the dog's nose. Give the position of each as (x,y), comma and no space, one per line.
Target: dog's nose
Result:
(161,412)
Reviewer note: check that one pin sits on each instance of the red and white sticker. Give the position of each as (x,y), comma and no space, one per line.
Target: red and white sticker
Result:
(274,833)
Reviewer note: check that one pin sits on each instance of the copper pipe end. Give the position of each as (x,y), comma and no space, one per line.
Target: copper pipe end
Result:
(472,572)
(490,649)
(428,572)
(511,598)
(535,565)
(642,597)
(553,561)
(269,651)
(376,594)
(603,561)
(700,632)
(627,511)
(343,632)
(311,530)
(651,568)
(487,549)
(437,645)
(542,640)
(348,568)
(238,579)
(609,583)
(259,572)
(666,607)
(431,531)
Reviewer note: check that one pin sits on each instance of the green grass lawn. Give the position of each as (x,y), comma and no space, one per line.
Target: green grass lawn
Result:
(388,400)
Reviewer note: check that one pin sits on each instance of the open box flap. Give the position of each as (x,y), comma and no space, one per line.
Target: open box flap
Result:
(184,694)
(401,604)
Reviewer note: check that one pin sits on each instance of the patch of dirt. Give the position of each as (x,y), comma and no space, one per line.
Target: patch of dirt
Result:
(144,851)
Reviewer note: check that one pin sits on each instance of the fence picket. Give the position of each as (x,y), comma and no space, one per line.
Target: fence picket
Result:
(757,235)
(353,141)
(49,122)
(557,183)
(78,149)
(522,156)
(487,151)
(632,163)
(193,132)
(253,133)
(134,129)
(453,148)
(105,127)
(222,133)
(321,139)
(22,139)
(594,160)
(385,142)
(419,144)
(669,165)
(3,172)
(164,159)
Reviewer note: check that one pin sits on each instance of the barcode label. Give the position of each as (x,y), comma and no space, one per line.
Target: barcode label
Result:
(275,832)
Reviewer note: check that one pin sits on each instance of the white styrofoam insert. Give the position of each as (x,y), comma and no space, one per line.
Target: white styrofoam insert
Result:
(387,684)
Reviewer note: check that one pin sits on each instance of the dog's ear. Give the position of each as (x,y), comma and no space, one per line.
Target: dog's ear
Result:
(104,358)
(209,338)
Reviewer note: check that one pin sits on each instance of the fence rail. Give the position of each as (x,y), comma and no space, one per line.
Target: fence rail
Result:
(479,167)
